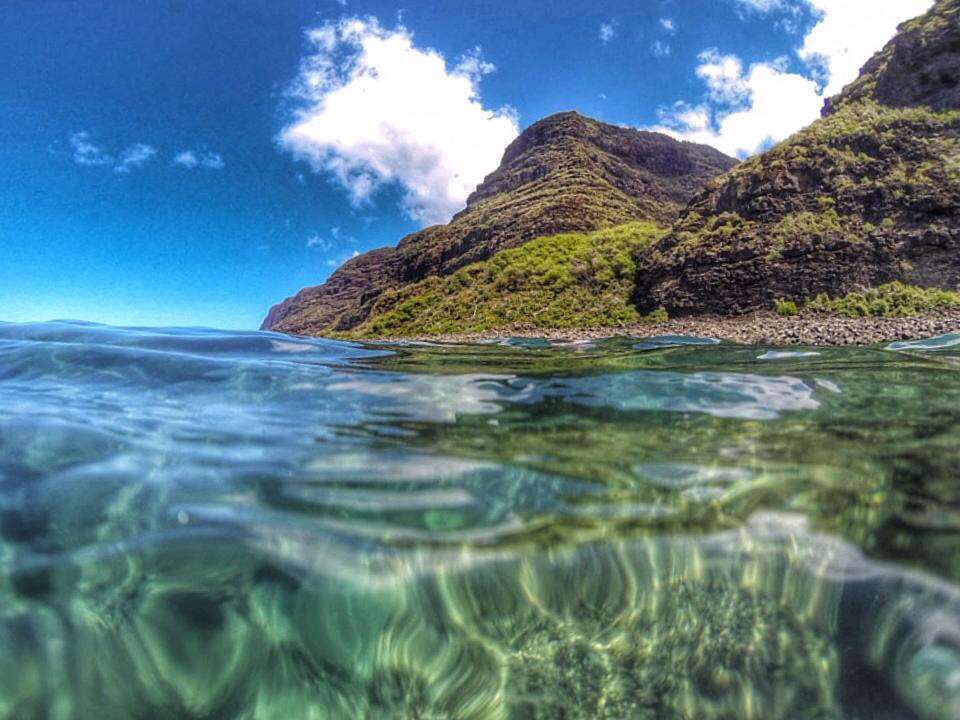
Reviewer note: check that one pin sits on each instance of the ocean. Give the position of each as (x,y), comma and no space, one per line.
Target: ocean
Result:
(209,524)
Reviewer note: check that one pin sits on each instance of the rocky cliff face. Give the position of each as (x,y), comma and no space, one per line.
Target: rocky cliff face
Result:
(564,173)
(868,194)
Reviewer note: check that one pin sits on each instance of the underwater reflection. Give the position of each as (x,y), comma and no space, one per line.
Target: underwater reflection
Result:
(770,621)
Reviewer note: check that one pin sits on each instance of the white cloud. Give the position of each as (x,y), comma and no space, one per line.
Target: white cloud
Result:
(850,31)
(608,31)
(191,159)
(660,48)
(746,110)
(315,242)
(187,158)
(668,24)
(376,109)
(694,119)
(723,75)
(212,160)
(778,104)
(334,238)
(791,12)
(473,65)
(134,156)
(762,6)
(86,152)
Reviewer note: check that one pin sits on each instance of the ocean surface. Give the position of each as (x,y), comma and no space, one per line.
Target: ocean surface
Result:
(204,524)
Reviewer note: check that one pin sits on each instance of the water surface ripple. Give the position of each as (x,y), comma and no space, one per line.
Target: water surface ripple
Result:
(206,524)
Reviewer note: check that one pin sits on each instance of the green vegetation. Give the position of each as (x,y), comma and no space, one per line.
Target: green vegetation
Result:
(827,147)
(785,308)
(721,230)
(658,315)
(566,280)
(830,151)
(893,299)
(794,227)
(866,117)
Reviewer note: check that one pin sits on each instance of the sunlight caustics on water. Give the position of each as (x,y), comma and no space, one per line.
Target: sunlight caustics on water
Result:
(202,524)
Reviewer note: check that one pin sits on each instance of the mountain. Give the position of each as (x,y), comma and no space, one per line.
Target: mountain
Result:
(868,194)
(564,174)
(586,223)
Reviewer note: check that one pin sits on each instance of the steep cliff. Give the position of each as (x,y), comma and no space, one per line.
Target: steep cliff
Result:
(566,173)
(868,194)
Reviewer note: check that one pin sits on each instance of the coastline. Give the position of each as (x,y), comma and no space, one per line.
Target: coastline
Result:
(761,328)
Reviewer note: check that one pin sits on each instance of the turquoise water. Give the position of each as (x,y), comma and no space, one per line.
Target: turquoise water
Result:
(202,524)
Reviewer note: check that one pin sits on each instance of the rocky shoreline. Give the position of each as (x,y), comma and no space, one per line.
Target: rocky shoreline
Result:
(762,328)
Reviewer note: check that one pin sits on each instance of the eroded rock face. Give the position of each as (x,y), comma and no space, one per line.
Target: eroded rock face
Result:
(867,194)
(564,173)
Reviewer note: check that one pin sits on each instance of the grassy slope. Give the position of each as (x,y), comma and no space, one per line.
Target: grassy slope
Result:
(892,299)
(565,280)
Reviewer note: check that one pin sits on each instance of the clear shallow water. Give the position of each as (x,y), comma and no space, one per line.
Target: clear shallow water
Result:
(199,524)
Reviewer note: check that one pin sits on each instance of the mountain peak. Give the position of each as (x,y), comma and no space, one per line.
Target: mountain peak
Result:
(565,173)
(564,139)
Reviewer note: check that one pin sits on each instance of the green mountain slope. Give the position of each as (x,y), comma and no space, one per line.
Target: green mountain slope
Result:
(558,281)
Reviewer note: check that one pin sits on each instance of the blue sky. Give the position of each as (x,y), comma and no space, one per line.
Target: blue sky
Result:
(165,162)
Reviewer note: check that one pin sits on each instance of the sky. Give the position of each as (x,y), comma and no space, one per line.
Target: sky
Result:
(178,163)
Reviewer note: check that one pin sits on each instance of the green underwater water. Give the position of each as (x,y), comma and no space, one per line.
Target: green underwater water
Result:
(205,524)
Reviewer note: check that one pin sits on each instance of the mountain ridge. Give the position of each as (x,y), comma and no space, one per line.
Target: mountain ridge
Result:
(564,173)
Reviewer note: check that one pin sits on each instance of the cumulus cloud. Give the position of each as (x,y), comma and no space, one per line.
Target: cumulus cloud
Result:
(608,31)
(134,156)
(668,25)
(723,75)
(374,109)
(850,31)
(196,158)
(746,109)
(777,105)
